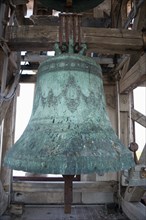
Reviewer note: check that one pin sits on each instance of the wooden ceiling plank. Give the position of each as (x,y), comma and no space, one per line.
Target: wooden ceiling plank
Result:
(111,32)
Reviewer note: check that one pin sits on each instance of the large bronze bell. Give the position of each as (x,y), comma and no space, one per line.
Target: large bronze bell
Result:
(70,5)
(69,131)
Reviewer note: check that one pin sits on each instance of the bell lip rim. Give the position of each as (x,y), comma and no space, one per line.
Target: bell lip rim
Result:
(66,172)
(74,9)
(119,164)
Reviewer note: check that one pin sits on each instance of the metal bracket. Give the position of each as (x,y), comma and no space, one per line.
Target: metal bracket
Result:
(70,24)
(143,172)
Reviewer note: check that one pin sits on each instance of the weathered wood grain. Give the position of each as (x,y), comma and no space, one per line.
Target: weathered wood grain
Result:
(135,76)
(3,200)
(100,186)
(134,210)
(102,40)
(134,194)
(8,140)
(138,117)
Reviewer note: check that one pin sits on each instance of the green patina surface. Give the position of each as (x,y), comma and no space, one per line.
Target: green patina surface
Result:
(69,131)
(77,5)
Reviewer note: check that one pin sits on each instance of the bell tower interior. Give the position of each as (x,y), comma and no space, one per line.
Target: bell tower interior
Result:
(68,69)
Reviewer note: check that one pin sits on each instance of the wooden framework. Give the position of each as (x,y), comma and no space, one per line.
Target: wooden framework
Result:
(101,40)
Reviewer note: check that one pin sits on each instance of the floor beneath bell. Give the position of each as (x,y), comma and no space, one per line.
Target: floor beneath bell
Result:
(89,212)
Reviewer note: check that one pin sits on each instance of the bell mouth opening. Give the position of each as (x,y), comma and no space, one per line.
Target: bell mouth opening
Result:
(75,154)
(73,6)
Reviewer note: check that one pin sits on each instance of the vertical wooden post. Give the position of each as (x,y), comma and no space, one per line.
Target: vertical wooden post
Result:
(3,80)
(5,177)
(125,128)
(4,67)
(2,15)
(8,140)
(34,7)
(4,53)
(68,197)
(3,200)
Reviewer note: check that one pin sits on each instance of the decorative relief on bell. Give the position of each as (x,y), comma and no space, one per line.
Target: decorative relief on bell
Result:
(69,131)
(72,95)
(70,64)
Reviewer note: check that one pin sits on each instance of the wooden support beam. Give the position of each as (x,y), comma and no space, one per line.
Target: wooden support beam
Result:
(37,58)
(100,22)
(6,83)
(138,24)
(103,10)
(115,12)
(142,159)
(140,19)
(13,65)
(123,14)
(2,16)
(8,140)
(52,192)
(32,38)
(3,81)
(138,117)
(35,7)
(29,67)
(98,40)
(124,121)
(135,76)
(134,210)
(134,194)
(111,40)
(81,186)
(3,109)
(3,71)
(28,78)
(3,200)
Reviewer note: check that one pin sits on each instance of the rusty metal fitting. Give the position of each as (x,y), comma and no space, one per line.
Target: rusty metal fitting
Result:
(143,172)
(133,146)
